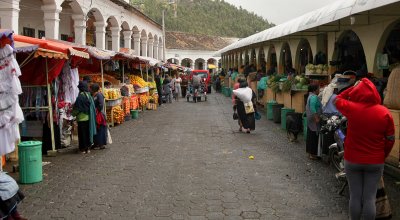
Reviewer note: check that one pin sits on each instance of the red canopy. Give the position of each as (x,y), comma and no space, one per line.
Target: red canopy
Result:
(34,71)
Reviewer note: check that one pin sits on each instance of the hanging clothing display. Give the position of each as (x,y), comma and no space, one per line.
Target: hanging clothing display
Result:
(10,111)
(70,79)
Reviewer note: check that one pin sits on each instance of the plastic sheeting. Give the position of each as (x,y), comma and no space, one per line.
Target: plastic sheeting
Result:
(324,15)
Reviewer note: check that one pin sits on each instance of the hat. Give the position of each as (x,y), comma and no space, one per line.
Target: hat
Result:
(344,82)
(83,87)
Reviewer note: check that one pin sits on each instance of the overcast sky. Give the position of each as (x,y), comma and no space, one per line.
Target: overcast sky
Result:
(279,11)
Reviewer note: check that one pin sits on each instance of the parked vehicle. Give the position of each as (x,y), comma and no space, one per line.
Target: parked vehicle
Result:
(196,94)
(205,76)
(338,125)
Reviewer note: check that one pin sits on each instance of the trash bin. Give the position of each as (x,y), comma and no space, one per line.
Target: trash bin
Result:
(284,111)
(135,114)
(276,110)
(228,92)
(30,162)
(270,114)
(305,126)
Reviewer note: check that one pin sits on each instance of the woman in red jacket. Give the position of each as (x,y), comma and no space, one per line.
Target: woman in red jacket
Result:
(369,140)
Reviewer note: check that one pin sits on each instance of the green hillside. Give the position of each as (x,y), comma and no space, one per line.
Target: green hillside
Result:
(208,17)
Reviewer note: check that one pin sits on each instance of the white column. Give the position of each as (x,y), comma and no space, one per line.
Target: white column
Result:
(100,34)
(136,44)
(143,43)
(155,50)
(160,53)
(127,39)
(51,20)
(79,29)
(258,63)
(9,15)
(150,48)
(205,65)
(115,38)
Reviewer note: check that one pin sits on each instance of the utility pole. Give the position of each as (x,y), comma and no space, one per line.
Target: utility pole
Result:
(163,29)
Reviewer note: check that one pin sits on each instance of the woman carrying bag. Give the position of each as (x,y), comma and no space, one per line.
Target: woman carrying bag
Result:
(245,106)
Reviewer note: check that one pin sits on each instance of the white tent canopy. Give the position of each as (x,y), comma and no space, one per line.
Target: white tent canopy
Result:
(327,14)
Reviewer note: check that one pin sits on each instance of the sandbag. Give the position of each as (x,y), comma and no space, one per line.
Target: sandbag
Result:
(392,95)
(244,94)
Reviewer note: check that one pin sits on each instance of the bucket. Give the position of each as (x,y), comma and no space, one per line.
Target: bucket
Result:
(30,162)
(268,111)
(134,114)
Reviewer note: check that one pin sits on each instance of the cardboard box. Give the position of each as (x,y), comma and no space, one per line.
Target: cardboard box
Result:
(279,97)
(396,116)
(393,158)
(287,99)
(298,101)
(270,95)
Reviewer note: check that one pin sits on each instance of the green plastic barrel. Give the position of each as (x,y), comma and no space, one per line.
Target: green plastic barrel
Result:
(270,114)
(284,111)
(224,90)
(305,126)
(276,111)
(228,92)
(30,162)
(134,114)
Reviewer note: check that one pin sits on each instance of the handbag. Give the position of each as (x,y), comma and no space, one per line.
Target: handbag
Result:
(257,116)
(248,107)
(235,116)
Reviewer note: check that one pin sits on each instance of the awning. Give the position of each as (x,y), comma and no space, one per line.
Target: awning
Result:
(325,15)
(52,46)
(212,66)
(50,54)
(20,47)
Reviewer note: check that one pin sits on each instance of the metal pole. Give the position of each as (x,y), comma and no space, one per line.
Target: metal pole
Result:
(163,27)
(123,72)
(141,72)
(102,85)
(147,73)
(53,144)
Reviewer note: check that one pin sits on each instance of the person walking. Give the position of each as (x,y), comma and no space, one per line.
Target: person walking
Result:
(369,140)
(177,85)
(245,106)
(100,139)
(313,112)
(159,86)
(84,111)
(167,88)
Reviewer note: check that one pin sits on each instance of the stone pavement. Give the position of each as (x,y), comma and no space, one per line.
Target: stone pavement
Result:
(188,161)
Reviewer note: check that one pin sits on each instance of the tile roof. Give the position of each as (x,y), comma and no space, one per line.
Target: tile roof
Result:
(189,41)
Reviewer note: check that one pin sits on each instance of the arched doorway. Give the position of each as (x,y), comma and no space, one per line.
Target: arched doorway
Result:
(31,23)
(261,60)
(113,34)
(199,64)
(95,29)
(304,56)
(272,62)
(349,53)
(388,52)
(286,59)
(143,43)
(72,22)
(187,62)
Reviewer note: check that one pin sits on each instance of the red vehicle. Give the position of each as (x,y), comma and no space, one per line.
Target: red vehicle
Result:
(205,76)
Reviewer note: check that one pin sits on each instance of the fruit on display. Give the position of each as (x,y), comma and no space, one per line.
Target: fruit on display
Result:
(300,83)
(112,93)
(134,103)
(152,85)
(143,99)
(138,81)
(117,115)
(126,105)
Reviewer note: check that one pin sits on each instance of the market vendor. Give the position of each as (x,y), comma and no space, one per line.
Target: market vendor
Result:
(107,85)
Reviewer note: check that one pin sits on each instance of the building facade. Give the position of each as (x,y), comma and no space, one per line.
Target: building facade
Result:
(193,50)
(106,24)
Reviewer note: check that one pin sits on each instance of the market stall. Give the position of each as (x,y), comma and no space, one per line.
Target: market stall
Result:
(41,98)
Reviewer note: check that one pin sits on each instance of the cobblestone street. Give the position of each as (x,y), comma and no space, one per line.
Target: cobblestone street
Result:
(188,161)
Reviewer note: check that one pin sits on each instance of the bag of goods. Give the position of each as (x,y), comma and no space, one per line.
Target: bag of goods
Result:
(392,95)
(244,94)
